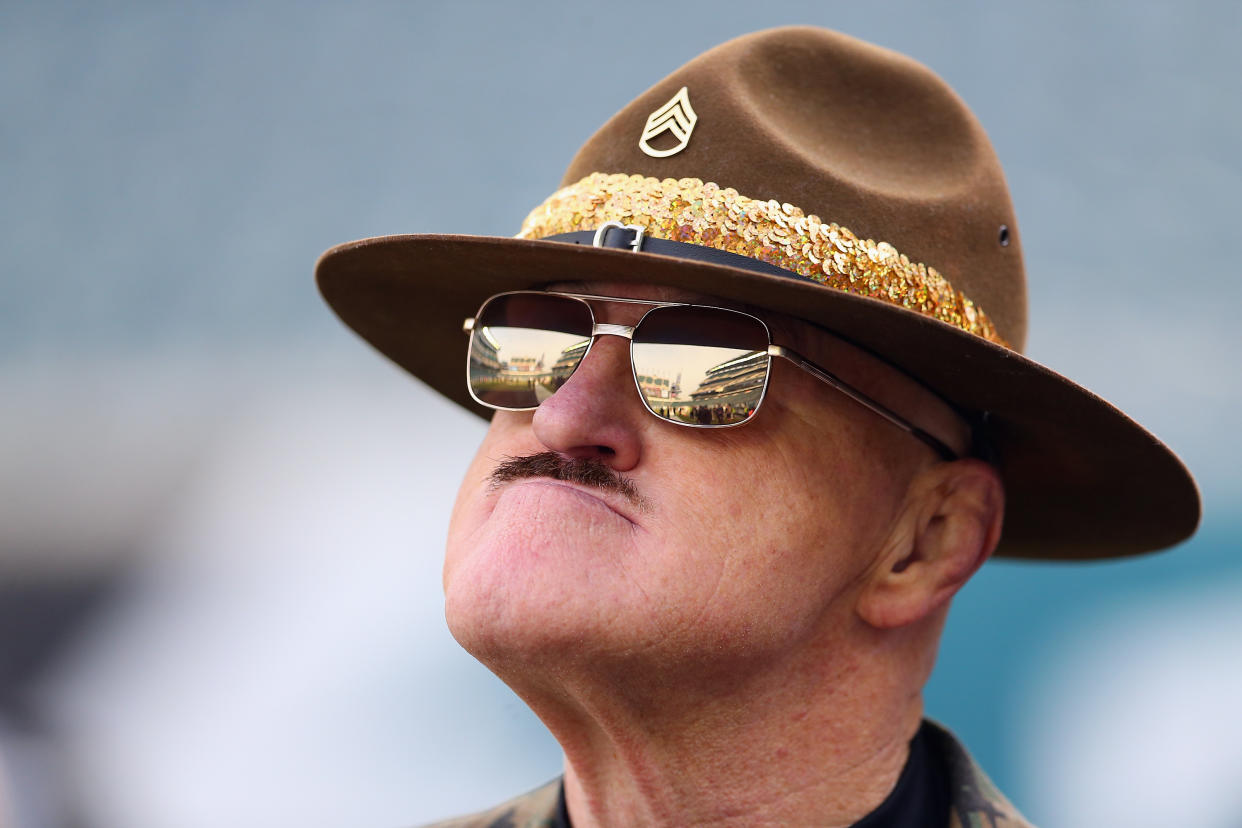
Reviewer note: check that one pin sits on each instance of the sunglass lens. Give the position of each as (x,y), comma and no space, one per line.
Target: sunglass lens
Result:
(524,346)
(701,366)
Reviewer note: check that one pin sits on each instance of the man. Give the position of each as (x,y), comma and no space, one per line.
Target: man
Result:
(758,412)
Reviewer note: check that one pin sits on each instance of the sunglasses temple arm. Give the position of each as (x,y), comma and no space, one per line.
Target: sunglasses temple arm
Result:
(862,399)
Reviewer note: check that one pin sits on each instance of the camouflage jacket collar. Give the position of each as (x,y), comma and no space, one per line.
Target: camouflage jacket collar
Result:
(976,801)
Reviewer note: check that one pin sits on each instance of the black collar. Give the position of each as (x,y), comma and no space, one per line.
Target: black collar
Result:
(920,799)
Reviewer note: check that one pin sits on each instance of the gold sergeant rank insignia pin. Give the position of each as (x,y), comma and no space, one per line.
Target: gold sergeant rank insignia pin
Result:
(676,118)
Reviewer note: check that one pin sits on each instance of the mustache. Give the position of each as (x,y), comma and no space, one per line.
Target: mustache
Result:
(586,471)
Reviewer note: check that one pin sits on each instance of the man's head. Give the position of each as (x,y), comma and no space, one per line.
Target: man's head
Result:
(815,519)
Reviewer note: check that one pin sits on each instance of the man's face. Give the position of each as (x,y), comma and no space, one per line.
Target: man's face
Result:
(737,544)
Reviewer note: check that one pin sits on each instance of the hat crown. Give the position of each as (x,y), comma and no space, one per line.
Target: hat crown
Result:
(844,130)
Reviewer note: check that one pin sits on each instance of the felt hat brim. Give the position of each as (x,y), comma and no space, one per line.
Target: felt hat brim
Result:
(1082,479)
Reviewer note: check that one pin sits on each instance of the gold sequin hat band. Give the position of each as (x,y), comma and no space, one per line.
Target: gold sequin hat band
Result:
(690,211)
(853,189)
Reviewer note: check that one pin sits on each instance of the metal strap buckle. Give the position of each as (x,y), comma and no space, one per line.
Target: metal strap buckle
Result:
(636,243)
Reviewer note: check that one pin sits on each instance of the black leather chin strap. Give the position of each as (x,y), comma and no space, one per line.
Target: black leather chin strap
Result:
(618,237)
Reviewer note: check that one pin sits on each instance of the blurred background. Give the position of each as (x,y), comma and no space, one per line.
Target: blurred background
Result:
(221,515)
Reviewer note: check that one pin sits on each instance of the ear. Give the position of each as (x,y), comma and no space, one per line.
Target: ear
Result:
(950,526)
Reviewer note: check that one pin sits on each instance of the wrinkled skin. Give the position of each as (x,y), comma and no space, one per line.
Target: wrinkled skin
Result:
(752,541)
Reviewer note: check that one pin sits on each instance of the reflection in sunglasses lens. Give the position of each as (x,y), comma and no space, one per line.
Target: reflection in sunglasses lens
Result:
(525,346)
(694,365)
(701,366)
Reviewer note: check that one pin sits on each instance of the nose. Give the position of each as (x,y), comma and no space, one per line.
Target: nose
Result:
(596,413)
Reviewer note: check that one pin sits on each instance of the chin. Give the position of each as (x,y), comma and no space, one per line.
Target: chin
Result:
(507,600)
(517,632)
(537,566)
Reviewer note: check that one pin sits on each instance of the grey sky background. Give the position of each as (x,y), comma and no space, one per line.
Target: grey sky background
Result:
(179,407)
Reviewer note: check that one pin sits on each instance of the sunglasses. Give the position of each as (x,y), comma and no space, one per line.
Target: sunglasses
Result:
(694,365)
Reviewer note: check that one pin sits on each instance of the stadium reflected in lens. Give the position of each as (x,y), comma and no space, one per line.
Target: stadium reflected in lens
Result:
(524,346)
(701,366)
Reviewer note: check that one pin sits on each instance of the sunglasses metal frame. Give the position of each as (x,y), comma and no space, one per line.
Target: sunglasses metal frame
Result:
(773,350)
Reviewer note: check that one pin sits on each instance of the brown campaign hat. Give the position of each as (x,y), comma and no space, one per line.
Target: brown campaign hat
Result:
(808,173)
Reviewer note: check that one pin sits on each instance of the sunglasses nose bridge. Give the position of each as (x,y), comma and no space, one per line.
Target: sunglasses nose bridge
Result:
(599,329)
(605,328)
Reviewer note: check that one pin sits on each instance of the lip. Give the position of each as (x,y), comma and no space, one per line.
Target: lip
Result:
(617,504)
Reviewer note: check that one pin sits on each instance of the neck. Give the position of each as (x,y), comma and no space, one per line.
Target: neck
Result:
(819,739)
